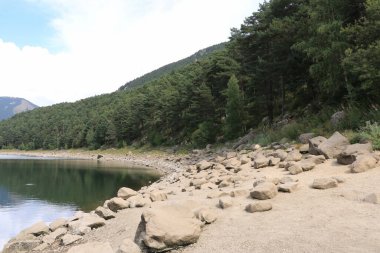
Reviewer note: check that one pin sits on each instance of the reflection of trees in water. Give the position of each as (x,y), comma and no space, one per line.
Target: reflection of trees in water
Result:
(85,184)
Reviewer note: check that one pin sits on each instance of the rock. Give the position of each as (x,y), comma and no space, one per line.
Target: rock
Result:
(39,228)
(225,202)
(70,239)
(244,159)
(258,181)
(41,247)
(126,193)
(348,156)
(307,165)
(219,159)
(336,118)
(92,247)
(316,159)
(203,165)
(273,161)
(264,191)
(116,204)
(128,246)
(304,138)
(169,227)
(324,183)
(232,163)
(239,193)
(206,215)
(139,201)
(363,163)
(104,213)
(261,162)
(197,183)
(280,154)
(373,198)
(217,194)
(89,220)
(304,149)
(50,238)
(339,179)
(260,206)
(224,184)
(288,187)
(314,143)
(209,186)
(57,224)
(21,246)
(294,156)
(287,179)
(333,146)
(295,169)
(158,196)
(230,155)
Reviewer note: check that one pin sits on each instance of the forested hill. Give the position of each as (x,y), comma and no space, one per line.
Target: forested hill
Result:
(291,57)
(201,54)
(10,106)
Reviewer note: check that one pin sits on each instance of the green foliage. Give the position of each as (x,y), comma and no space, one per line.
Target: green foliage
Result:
(371,132)
(203,135)
(234,125)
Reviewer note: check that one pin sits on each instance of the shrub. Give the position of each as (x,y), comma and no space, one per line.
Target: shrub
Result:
(371,132)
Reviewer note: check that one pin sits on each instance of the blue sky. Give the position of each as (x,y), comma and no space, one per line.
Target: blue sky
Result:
(55,51)
(26,23)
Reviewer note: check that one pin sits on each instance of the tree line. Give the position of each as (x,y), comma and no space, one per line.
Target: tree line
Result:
(287,56)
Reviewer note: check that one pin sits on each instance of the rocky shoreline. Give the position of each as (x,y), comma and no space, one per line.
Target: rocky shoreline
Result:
(271,199)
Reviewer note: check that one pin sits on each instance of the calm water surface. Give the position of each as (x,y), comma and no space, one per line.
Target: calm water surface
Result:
(35,189)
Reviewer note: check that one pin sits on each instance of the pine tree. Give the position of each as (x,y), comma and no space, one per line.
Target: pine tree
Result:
(234,124)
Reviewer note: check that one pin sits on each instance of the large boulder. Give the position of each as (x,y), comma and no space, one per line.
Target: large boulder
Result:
(61,222)
(169,227)
(126,193)
(264,191)
(349,155)
(261,161)
(89,220)
(295,169)
(225,202)
(104,213)
(158,196)
(92,247)
(363,163)
(50,238)
(333,146)
(21,246)
(314,143)
(39,228)
(294,156)
(70,239)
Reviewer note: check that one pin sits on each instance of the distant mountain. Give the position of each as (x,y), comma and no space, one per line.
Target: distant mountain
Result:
(10,106)
(171,67)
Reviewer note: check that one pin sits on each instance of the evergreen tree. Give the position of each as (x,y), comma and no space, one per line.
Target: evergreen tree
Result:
(234,125)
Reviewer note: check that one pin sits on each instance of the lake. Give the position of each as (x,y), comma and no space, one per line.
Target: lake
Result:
(34,189)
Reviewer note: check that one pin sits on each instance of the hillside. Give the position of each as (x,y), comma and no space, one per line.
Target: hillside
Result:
(262,79)
(201,54)
(10,106)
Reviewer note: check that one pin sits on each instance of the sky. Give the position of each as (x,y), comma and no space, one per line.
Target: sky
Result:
(54,51)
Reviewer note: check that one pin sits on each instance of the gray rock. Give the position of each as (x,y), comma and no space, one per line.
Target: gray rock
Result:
(314,143)
(273,161)
(288,187)
(349,155)
(168,227)
(203,165)
(307,165)
(280,154)
(126,193)
(58,224)
(264,191)
(206,215)
(39,228)
(197,183)
(70,239)
(104,213)
(287,179)
(261,162)
(304,149)
(50,238)
(92,247)
(158,196)
(128,246)
(333,146)
(295,169)
(261,206)
(316,159)
(89,220)
(373,198)
(363,163)
(116,204)
(337,118)
(225,202)
(294,156)
(304,138)
(21,246)
(324,183)
(239,193)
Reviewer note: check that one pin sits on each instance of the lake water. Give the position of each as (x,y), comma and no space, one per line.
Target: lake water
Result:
(35,189)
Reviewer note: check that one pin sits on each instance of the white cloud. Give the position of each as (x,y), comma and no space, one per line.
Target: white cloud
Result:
(109,42)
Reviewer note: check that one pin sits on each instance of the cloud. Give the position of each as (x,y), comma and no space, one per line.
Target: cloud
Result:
(108,42)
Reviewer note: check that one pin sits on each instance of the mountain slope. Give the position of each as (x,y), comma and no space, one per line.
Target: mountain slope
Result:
(10,106)
(201,54)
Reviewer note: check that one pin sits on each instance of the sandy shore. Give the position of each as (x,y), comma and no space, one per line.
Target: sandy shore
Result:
(306,220)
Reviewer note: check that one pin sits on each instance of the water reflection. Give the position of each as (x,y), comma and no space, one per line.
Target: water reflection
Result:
(32,190)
